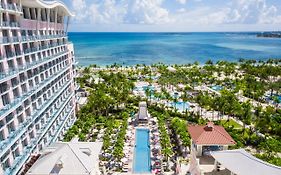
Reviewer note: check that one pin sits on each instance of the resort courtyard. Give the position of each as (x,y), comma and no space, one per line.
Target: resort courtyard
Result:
(142,114)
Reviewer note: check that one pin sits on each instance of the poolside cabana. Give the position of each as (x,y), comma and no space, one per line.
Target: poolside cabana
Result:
(142,116)
(209,138)
(241,162)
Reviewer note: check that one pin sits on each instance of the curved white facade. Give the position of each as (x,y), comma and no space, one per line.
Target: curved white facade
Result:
(37,88)
(47,5)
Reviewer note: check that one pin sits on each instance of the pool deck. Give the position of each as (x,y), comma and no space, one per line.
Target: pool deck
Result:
(131,157)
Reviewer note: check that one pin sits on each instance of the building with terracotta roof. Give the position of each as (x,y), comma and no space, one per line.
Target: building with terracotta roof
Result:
(209,138)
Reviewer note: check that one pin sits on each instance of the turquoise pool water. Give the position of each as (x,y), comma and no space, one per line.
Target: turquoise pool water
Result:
(142,162)
(275,95)
(217,87)
(180,106)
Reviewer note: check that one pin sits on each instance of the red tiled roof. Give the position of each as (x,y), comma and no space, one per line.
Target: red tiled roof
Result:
(210,134)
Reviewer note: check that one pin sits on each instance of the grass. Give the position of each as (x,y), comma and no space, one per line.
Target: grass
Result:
(231,122)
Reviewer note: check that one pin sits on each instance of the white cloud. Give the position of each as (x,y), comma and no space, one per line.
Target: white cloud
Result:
(181,10)
(182,1)
(236,12)
(254,11)
(122,11)
(153,12)
(79,8)
(147,12)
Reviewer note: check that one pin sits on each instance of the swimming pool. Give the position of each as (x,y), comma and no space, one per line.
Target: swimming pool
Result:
(180,106)
(217,87)
(142,162)
(273,98)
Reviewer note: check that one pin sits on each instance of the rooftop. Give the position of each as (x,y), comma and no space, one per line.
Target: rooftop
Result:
(241,162)
(142,114)
(68,158)
(210,134)
(47,4)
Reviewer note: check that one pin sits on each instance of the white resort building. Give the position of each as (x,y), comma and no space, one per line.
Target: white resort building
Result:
(68,158)
(37,88)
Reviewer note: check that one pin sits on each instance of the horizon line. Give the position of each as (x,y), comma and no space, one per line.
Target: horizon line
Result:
(173,31)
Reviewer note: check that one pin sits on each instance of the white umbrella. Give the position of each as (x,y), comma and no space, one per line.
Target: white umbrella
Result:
(124,160)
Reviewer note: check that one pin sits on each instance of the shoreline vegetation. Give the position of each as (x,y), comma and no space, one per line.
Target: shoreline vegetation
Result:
(243,97)
(269,34)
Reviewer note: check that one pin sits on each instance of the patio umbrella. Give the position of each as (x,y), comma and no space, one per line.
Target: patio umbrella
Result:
(124,160)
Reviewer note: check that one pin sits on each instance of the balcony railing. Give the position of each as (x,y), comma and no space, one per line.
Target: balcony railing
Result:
(6,144)
(40,25)
(41,48)
(10,24)
(19,161)
(61,125)
(30,65)
(6,39)
(13,7)
(17,102)
(42,37)
(53,118)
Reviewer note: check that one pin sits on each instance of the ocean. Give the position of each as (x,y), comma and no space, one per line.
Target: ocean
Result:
(170,48)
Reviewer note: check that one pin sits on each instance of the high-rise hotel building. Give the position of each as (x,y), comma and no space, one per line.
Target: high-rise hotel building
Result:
(36,79)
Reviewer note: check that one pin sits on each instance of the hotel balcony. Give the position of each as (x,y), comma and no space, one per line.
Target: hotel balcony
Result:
(17,102)
(37,85)
(14,72)
(42,37)
(19,161)
(49,123)
(11,7)
(23,127)
(42,48)
(8,40)
(6,24)
(29,24)
(61,125)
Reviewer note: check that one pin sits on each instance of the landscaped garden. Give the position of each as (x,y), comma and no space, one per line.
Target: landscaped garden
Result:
(254,123)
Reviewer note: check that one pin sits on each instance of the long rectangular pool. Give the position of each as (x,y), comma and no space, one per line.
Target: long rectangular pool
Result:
(142,162)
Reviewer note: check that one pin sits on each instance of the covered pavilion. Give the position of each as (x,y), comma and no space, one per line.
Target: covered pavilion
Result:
(209,138)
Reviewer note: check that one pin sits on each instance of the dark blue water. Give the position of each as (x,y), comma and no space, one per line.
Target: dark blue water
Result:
(171,48)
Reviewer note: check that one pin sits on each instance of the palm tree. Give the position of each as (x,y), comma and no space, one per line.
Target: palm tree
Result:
(246,114)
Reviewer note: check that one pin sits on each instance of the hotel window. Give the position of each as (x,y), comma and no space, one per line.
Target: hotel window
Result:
(23,33)
(16,93)
(11,127)
(24,88)
(1,68)
(14,33)
(20,118)
(5,164)
(24,143)
(11,65)
(5,99)
(4,87)
(2,135)
(19,109)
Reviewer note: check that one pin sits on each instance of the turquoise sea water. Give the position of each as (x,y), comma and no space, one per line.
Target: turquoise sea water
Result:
(170,48)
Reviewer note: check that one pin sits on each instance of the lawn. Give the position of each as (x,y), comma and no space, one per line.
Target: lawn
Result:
(231,122)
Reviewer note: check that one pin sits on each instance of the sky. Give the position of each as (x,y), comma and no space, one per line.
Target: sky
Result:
(174,15)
